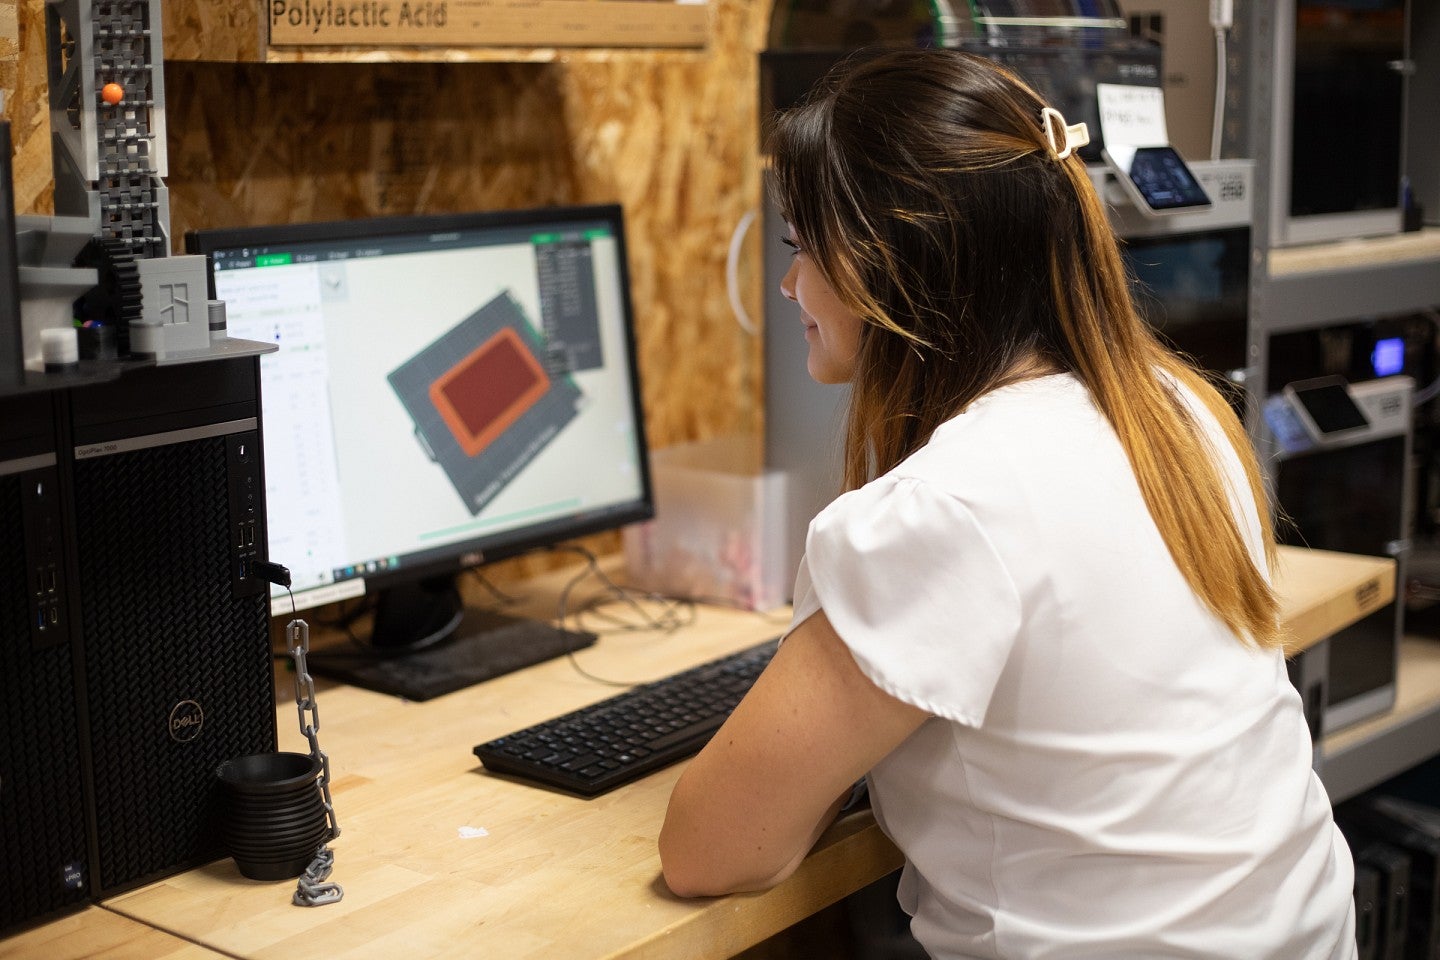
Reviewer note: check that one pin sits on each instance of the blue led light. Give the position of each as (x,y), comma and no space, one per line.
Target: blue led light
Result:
(1388,357)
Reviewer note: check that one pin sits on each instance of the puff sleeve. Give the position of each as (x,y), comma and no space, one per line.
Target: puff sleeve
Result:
(916,590)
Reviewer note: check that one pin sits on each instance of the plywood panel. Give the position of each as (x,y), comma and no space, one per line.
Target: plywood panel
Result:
(9,42)
(671,136)
(214,30)
(28,108)
(9,52)
(274,143)
(676,143)
(280,142)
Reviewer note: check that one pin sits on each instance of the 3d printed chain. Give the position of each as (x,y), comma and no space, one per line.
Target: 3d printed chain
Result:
(312,890)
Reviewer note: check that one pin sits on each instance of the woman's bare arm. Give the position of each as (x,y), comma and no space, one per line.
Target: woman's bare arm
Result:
(751,805)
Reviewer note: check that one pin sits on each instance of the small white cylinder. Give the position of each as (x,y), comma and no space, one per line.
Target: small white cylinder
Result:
(59,347)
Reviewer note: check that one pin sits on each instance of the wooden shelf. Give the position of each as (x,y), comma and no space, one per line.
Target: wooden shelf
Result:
(475,55)
(236,31)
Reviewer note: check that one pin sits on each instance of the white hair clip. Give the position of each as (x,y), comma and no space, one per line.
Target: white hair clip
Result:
(1076,135)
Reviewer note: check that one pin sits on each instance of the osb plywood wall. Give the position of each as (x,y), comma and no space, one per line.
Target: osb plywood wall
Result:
(670,135)
(9,45)
(27,107)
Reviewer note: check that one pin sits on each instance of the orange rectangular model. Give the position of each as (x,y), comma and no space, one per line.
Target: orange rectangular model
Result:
(487,391)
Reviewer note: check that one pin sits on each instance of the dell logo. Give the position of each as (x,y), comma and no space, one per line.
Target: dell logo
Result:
(186,719)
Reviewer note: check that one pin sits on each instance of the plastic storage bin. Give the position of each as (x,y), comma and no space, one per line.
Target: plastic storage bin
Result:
(718,533)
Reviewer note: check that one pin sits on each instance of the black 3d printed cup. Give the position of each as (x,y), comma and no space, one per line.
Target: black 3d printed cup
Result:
(272,813)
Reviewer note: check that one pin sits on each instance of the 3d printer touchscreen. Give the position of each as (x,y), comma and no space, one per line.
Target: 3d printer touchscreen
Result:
(1158,177)
(1329,405)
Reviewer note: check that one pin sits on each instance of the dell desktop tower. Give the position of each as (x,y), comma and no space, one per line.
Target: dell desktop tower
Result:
(44,842)
(134,637)
(172,628)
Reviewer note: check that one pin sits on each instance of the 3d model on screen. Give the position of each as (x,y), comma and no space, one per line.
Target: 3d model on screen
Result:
(483,403)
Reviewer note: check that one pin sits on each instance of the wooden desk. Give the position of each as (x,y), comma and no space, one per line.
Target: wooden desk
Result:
(1322,591)
(553,876)
(96,932)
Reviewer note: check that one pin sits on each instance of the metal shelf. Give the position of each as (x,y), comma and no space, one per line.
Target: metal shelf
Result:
(1319,285)
(1347,280)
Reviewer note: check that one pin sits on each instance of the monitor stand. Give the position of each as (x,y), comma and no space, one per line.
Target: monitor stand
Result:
(425,642)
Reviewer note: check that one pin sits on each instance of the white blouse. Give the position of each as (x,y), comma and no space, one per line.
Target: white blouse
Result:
(1109,772)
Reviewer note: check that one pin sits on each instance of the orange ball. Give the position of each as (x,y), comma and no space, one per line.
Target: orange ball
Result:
(112,93)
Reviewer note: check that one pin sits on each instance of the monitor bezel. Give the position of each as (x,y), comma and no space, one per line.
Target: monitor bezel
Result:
(466,554)
(12,339)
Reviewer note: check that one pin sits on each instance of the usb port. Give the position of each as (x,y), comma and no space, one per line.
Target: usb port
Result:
(250,533)
(54,614)
(244,568)
(47,580)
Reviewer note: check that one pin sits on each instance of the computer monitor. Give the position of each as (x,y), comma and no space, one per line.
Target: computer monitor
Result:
(449,390)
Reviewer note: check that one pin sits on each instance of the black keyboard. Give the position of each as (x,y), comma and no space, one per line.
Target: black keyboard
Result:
(610,743)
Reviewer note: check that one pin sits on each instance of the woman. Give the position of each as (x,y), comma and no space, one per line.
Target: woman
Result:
(1040,617)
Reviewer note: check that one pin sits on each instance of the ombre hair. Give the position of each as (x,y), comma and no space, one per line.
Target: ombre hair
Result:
(922,186)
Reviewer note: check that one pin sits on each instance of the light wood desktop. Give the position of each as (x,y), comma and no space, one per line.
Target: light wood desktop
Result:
(439,858)
(550,876)
(96,932)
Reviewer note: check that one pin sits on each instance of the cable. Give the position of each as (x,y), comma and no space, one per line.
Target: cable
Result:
(344,618)
(1218,122)
(504,599)
(675,612)
(678,612)
(613,592)
(563,603)
(732,272)
(668,620)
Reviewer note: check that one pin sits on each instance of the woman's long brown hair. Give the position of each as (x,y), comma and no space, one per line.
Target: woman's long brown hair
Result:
(922,185)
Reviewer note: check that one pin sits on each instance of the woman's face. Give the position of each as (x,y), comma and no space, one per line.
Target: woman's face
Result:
(831,329)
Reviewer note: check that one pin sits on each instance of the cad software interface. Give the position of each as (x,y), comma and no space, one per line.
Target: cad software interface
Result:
(434,389)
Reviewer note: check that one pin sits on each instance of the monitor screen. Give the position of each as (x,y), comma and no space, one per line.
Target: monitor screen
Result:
(448,389)
(1194,289)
